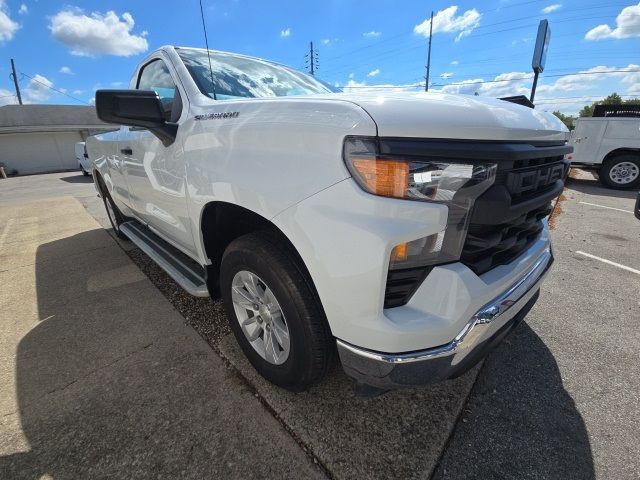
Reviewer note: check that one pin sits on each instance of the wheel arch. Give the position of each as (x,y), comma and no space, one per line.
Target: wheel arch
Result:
(223,222)
(620,151)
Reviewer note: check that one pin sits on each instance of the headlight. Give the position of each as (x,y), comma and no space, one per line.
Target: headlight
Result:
(452,182)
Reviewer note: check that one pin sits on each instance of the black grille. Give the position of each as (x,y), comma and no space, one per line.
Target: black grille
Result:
(507,218)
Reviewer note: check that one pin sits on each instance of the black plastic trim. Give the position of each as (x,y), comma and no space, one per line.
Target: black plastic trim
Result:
(471,149)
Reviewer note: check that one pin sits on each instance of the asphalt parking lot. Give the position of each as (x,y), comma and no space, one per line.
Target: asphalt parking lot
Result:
(108,369)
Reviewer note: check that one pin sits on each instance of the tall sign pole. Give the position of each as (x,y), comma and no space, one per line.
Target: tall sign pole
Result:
(426,78)
(540,54)
(15,81)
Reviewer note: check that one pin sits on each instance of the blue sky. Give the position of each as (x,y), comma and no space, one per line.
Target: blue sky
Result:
(76,47)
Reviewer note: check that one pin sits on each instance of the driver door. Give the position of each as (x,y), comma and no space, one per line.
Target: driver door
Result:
(155,173)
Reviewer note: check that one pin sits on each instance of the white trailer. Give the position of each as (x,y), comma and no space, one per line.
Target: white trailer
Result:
(611,146)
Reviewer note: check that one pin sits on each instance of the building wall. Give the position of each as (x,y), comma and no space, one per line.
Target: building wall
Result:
(38,152)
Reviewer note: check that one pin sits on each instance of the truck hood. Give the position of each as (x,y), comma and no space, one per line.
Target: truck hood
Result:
(439,115)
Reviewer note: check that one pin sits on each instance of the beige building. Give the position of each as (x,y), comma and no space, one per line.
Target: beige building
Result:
(41,138)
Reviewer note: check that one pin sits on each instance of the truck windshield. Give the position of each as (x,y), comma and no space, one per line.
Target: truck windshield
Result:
(242,77)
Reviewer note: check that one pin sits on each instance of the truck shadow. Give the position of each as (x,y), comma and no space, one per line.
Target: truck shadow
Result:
(137,424)
(101,388)
(80,178)
(519,421)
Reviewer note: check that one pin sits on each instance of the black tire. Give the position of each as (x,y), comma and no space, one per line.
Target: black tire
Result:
(311,348)
(84,172)
(609,173)
(115,216)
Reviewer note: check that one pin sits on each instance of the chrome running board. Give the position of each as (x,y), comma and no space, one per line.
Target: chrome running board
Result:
(183,270)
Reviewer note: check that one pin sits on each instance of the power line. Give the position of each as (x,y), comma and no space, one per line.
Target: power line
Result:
(480,82)
(560,20)
(529,76)
(54,89)
(393,51)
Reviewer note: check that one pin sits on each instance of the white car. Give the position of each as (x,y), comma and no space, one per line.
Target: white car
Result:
(611,146)
(407,231)
(83,158)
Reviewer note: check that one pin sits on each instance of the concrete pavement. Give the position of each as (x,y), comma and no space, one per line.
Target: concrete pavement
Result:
(560,398)
(99,376)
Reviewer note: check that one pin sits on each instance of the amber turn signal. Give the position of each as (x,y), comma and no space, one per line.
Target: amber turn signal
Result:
(389,178)
(399,253)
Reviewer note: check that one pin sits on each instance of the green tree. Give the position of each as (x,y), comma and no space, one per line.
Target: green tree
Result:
(613,99)
(566,119)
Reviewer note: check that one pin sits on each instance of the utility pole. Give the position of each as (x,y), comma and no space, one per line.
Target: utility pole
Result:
(15,81)
(426,78)
(312,59)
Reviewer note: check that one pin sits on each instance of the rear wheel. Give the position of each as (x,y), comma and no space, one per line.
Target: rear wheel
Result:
(621,171)
(84,172)
(273,312)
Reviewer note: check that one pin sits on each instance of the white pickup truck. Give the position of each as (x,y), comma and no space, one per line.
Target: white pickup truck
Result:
(405,232)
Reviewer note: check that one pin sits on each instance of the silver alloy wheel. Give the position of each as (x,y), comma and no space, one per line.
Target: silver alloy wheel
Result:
(624,172)
(260,316)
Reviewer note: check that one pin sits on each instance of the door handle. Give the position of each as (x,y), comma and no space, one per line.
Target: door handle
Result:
(126,151)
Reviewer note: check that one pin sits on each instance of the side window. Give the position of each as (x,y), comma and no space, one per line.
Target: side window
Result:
(156,76)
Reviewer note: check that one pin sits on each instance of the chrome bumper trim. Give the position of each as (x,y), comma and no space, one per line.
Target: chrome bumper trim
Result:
(385,370)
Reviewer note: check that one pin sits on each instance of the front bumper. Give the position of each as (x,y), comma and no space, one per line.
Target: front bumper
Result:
(484,330)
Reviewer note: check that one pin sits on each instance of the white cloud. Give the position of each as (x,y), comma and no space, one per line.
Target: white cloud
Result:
(351,75)
(446,75)
(361,87)
(371,34)
(117,84)
(38,89)
(326,41)
(551,8)
(627,25)
(7,97)
(625,80)
(374,73)
(78,92)
(589,78)
(66,71)
(23,10)
(505,84)
(455,62)
(447,21)
(632,80)
(7,26)
(98,34)
(286,32)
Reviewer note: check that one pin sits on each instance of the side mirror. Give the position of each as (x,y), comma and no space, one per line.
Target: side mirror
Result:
(136,108)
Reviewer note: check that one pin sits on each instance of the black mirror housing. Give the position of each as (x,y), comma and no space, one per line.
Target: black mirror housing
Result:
(135,108)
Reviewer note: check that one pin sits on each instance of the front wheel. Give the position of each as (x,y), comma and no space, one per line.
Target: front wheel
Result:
(621,172)
(115,216)
(273,312)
